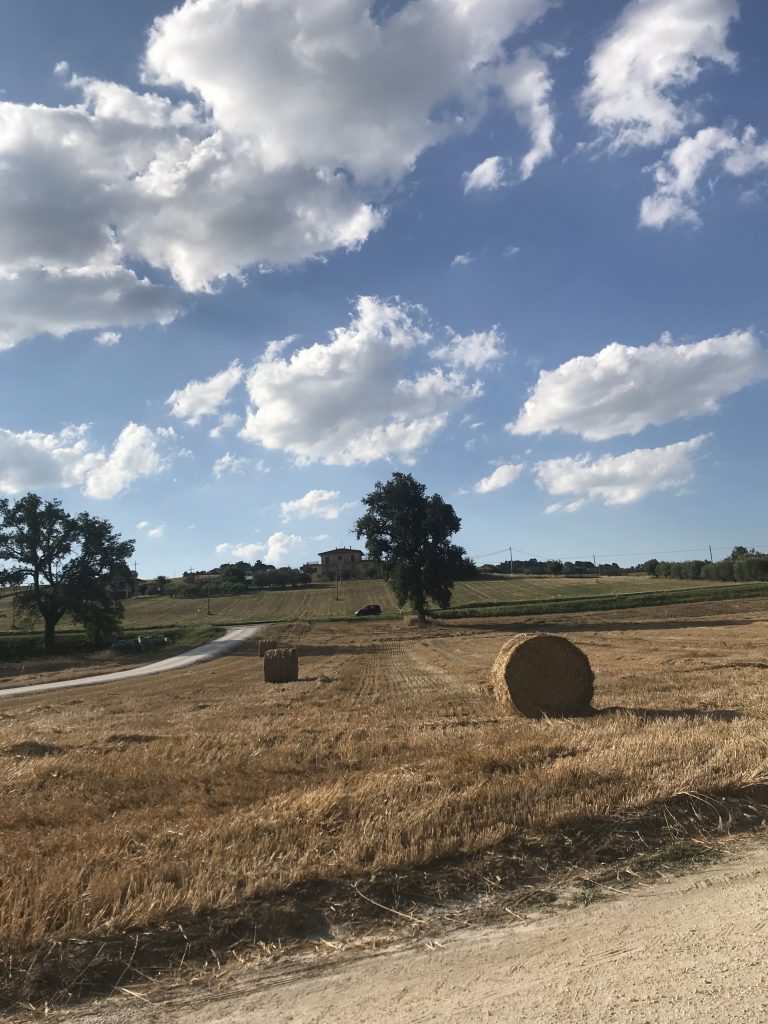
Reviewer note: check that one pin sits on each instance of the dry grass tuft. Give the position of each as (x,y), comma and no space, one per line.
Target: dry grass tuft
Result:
(183,813)
(540,674)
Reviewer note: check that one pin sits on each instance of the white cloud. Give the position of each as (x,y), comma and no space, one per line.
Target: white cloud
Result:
(58,302)
(32,461)
(273,552)
(462,259)
(326,85)
(299,118)
(618,479)
(351,399)
(623,389)
(502,476)
(655,49)
(487,175)
(138,451)
(228,421)
(109,337)
(472,351)
(678,175)
(154,532)
(201,398)
(316,504)
(237,465)
(527,87)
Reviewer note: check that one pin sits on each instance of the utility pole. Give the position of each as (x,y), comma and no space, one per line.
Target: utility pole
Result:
(337,583)
(710,554)
(510,561)
(594,562)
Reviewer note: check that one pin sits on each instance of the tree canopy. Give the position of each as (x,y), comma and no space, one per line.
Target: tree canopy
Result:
(410,534)
(66,565)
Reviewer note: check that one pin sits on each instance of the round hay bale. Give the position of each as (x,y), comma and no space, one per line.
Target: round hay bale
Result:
(266,645)
(541,674)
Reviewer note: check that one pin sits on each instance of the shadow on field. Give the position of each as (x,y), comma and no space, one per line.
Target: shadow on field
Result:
(519,872)
(658,714)
(598,627)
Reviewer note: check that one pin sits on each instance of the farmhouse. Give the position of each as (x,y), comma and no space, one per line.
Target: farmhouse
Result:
(348,563)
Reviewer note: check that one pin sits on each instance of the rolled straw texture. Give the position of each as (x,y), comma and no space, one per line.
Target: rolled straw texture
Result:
(541,674)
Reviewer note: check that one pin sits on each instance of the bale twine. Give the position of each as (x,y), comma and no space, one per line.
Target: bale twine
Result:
(266,645)
(281,665)
(541,674)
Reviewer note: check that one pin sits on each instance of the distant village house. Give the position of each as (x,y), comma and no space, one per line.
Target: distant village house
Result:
(347,563)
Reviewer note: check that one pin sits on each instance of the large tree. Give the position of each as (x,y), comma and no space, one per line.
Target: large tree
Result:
(410,534)
(65,564)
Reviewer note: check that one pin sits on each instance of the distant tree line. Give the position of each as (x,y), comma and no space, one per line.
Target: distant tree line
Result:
(554,567)
(228,579)
(741,566)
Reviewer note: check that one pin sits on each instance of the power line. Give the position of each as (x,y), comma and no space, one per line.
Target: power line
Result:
(625,554)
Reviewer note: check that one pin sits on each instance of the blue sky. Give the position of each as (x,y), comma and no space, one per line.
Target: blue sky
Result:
(258,254)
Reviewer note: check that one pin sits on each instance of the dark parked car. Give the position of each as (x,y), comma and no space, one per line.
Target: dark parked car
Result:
(369,609)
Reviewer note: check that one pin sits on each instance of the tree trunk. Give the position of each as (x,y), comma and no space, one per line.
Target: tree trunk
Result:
(50,635)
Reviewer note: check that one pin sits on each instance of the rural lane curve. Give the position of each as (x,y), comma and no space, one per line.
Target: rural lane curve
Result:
(233,637)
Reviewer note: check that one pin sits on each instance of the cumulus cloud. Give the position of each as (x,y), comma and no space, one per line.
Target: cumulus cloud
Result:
(527,86)
(138,451)
(58,302)
(298,119)
(487,175)
(618,479)
(35,461)
(655,50)
(328,85)
(201,398)
(679,174)
(472,351)
(273,552)
(502,476)
(351,400)
(316,504)
(623,389)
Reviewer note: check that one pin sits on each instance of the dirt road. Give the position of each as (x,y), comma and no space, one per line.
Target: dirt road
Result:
(233,637)
(688,950)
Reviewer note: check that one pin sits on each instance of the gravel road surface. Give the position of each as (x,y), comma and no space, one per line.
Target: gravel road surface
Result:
(233,637)
(684,951)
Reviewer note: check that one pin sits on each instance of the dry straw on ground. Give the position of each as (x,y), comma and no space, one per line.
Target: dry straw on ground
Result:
(174,807)
(541,674)
(281,665)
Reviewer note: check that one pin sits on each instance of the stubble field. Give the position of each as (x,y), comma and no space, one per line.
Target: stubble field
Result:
(320,600)
(192,816)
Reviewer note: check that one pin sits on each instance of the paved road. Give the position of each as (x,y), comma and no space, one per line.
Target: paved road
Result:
(233,637)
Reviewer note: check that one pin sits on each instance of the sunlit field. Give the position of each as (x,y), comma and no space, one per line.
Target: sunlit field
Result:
(321,600)
(148,824)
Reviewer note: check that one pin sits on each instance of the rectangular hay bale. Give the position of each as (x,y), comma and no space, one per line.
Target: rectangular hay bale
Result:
(281,665)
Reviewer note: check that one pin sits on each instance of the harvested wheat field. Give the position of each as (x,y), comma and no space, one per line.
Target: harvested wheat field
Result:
(207,815)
